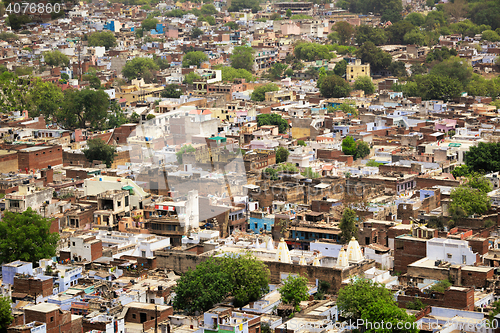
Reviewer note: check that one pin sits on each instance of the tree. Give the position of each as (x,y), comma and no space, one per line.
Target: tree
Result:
(242,57)
(478,181)
(100,151)
(149,24)
(259,93)
(196,32)
(344,31)
(334,86)
(340,68)
(44,98)
(139,68)
(82,107)
(191,77)
(207,18)
(490,35)
(362,150)
(416,19)
(436,87)
(348,225)
(194,58)
(301,143)
(94,81)
(282,155)
(485,157)
(56,58)
(232,25)
(17,21)
(276,71)
(242,276)
(208,9)
(453,68)
(470,200)
(288,13)
(230,74)
(26,236)
(456,9)
(349,146)
(238,5)
(312,51)
(377,58)
(461,171)
(365,33)
(364,83)
(103,38)
(64,76)
(289,72)
(271,173)
(294,291)
(171,91)
(5,313)
(372,163)
(184,149)
(272,119)
(372,302)
(309,173)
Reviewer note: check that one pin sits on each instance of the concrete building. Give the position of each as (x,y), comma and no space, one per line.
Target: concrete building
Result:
(28,196)
(453,251)
(356,69)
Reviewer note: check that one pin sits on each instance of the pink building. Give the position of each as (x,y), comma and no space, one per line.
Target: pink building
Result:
(290,28)
(172,33)
(445,125)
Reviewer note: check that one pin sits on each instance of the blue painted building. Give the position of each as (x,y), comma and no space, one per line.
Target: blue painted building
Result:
(16,267)
(264,222)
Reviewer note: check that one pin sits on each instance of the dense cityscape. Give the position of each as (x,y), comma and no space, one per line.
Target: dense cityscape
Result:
(250,166)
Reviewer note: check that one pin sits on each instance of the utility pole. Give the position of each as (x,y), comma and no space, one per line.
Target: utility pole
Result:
(156,318)
(80,62)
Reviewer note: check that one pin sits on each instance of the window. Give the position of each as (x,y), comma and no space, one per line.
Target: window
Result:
(464,259)
(449,255)
(133,316)
(73,243)
(51,319)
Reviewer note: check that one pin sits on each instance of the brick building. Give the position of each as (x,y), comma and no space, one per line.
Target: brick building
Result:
(454,297)
(57,320)
(33,286)
(39,157)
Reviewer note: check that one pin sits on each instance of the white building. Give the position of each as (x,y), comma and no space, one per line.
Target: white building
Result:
(453,251)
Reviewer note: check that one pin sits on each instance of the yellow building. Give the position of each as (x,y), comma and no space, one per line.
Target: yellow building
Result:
(138,91)
(356,70)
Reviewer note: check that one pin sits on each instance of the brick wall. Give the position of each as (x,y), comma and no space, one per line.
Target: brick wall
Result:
(73,159)
(33,286)
(9,162)
(39,159)
(451,298)
(407,251)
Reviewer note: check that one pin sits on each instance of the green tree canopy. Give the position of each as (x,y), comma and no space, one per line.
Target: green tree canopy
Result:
(348,225)
(344,31)
(208,9)
(26,236)
(371,302)
(184,149)
(82,107)
(282,154)
(242,57)
(242,276)
(44,98)
(191,77)
(309,173)
(196,32)
(5,313)
(102,38)
(377,58)
(194,58)
(453,68)
(334,86)
(340,68)
(238,5)
(100,151)
(470,200)
(171,91)
(230,74)
(375,35)
(485,157)
(259,93)
(139,68)
(365,83)
(56,58)
(312,51)
(272,119)
(294,291)
(349,146)
(149,24)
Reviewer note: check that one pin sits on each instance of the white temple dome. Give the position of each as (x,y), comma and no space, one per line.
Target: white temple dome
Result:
(354,253)
(342,259)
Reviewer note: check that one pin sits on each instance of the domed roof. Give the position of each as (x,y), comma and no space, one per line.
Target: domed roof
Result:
(282,254)
(342,259)
(354,253)
(302,260)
